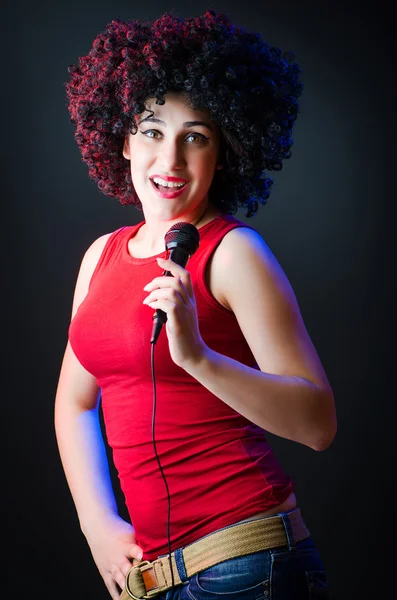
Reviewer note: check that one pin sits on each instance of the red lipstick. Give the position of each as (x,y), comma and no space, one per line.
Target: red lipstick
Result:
(173,192)
(167,178)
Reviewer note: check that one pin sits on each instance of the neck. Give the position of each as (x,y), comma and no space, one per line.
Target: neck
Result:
(152,233)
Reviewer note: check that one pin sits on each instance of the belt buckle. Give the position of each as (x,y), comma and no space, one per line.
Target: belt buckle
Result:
(150,594)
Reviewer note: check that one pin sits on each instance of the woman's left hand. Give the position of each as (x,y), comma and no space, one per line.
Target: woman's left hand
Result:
(175,296)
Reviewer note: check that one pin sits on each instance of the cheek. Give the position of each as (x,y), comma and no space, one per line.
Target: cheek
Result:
(140,160)
(205,167)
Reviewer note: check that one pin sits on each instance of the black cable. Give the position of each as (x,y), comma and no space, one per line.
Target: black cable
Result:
(161,469)
(181,241)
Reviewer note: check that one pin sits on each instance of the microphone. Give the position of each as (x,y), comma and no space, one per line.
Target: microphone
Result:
(181,240)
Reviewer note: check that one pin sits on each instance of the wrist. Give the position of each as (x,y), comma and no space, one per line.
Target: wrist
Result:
(200,363)
(102,517)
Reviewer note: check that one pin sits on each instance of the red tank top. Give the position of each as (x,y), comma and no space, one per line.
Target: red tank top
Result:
(218,465)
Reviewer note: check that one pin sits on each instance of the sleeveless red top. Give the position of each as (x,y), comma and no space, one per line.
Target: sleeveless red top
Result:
(218,465)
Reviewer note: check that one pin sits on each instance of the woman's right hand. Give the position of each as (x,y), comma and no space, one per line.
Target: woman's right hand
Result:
(114,550)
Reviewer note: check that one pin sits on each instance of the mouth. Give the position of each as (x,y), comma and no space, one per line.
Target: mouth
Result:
(168,191)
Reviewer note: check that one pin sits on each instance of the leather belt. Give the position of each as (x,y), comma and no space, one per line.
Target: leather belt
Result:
(147,579)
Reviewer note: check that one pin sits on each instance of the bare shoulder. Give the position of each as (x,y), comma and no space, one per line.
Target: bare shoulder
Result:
(246,277)
(243,252)
(246,240)
(87,267)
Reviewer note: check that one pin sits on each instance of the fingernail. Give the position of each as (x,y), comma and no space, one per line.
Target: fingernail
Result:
(140,556)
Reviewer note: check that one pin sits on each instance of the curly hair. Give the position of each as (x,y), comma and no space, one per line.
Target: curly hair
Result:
(250,89)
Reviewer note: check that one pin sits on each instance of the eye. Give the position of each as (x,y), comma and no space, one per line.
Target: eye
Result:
(199,137)
(151,133)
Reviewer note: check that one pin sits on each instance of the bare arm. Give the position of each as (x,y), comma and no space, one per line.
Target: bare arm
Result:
(83,454)
(77,428)
(80,441)
(290,396)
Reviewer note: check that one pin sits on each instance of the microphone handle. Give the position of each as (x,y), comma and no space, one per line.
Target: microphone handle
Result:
(179,256)
(158,313)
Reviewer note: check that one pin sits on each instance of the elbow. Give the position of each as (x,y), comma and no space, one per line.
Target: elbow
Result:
(326,427)
(320,437)
(324,441)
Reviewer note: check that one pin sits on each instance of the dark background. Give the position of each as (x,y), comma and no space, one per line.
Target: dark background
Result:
(329,221)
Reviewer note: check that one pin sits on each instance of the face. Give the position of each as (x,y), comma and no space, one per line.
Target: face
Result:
(179,145)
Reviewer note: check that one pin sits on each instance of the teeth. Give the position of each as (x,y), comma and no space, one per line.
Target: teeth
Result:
(168,183)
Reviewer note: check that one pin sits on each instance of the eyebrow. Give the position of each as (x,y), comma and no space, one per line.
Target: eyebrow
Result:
(187,124)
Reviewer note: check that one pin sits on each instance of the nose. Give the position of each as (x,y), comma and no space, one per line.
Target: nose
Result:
(172,157)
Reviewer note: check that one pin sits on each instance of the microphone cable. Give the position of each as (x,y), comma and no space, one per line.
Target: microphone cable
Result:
(159,463)
(181,241)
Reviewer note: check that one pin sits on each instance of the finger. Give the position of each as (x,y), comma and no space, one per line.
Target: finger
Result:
(158,282)
(168,307)
(135,551)
(177,283)
(182,285)
(169,265)
(118,576)
(126,566)
(112,587)
(169,283)
(176,270)
(168,294)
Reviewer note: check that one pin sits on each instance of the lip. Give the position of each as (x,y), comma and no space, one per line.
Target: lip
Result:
(167,178)
(173,194)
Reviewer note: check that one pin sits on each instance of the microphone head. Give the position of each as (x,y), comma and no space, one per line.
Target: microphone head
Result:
(184,236)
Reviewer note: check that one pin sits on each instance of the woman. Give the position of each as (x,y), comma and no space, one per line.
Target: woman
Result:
(181,119)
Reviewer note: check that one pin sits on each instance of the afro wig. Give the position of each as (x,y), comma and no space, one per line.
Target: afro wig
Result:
(250,89)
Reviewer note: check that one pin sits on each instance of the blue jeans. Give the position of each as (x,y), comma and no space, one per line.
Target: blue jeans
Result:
(291,572)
